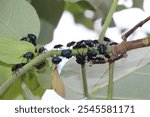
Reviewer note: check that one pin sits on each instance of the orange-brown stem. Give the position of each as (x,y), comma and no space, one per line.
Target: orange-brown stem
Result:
(130,45)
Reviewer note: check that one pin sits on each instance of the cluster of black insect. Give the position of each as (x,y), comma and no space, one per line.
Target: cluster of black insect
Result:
(97,54)
(31,38)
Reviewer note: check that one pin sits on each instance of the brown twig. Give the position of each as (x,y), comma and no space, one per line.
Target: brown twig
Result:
(130,45)
(119,50)
(140,24)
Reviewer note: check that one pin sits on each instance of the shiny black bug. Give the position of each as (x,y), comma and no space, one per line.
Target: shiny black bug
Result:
(66,53)
(71,43)
(95,41)
(40,65)
(106,39)
(16,67)
(32,39)
(80,59)
(91,55)
(89,43)
(28,56)
(24,39)
(41,50)
(58,46)
(79,44)
(113,43)
(102,49)
(56,60)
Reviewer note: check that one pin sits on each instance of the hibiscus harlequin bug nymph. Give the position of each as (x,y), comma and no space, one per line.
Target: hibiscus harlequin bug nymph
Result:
(40,65)
(58,46)
(28,56)
(41,50)
(66,53)
(56,60)
(16,67)
(31,38)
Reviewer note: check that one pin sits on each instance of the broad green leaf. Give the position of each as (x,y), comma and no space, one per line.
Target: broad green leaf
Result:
(31,80)
(97,79)
(100,9)
(11,50)
(131,79)
(72,78)
(85,5)
(44,76)
(78,9)
(49,12)
(17,19)
(5,72)
(120,7)
(15,92)
(138,3)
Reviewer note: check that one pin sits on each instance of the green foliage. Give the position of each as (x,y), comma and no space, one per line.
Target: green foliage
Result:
(49,12)
(130,78)
(44,76)
(17,19)
(14,49)
(41,17)
(78,10)
(138,4)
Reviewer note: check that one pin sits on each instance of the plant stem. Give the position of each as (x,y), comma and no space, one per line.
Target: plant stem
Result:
(108,19)
(7,84)
(84,80)
(110,85)
(27,92)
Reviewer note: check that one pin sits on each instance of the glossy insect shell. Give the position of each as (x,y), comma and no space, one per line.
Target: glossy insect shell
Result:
(56,60)
(102,49)
(32,37)
(41,50)
(24,39)
(89,43)
(107,39)
(71,43)
(28,55)
(58,46)
(66,53)
(41,65)
(80,59)
(16,67)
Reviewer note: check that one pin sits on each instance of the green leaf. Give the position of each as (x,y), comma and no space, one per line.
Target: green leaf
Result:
(5,72)
(19,91)
(31,80)
(97,77)
(72,78)
(44,76)
(78,9)
(11,50)
(15,92)
(17,19)
(85,5)
(138,3)
(131,78)
(49,12)
(99,8)
(120,7)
